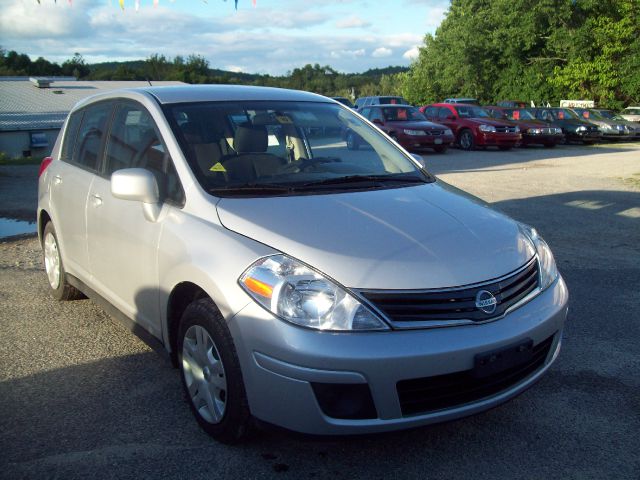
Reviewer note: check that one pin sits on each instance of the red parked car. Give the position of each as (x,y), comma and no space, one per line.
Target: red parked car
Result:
(407,126)
(473,126)
(534,131)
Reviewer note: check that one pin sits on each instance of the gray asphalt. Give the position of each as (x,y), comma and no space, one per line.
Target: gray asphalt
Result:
(81,397)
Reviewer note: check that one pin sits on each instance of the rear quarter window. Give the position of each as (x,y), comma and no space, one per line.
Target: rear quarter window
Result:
(70,135)
(87,152)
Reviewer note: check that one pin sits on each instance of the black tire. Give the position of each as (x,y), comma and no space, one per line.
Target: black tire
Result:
(59,287)
(441,148)
(466,140)
(234,421)
(549,145)
(504,148)
(352,141)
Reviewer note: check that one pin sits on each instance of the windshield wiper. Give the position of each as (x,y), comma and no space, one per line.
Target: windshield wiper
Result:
(253,189)
(376,179)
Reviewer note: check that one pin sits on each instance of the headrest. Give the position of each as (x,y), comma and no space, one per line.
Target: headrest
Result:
(250,139)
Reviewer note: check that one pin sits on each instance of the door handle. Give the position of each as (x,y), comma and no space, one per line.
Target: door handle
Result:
(96,200)
(57,180)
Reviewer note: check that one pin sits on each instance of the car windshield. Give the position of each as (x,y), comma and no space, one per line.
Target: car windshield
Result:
(285,148)
(470,111)
(402,114)
(564,114)
(520,114)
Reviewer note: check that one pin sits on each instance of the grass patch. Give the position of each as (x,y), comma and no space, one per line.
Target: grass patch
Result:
(7,160)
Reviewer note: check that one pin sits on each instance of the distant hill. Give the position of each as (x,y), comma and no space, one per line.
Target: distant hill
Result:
(249,77)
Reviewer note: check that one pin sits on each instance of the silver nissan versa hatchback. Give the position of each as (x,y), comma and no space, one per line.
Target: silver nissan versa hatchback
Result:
(293,280)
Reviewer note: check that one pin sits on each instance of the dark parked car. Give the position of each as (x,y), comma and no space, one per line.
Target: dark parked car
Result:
(379,100)
(612,125)
(472,126)
(574,128)
(344,101)
(407,126)
(534,132)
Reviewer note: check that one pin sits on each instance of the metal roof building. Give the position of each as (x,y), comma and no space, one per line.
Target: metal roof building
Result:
(32,110)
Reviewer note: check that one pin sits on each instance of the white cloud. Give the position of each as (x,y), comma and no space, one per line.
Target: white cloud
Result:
(347,53)
(412,53)
(29,20)
(382,52)
(352,22)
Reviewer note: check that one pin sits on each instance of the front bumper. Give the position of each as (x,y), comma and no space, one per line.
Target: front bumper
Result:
(498,139)
(541,139)
(417,142)
(280,362)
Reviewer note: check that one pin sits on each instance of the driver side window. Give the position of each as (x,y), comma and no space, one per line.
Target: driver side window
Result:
(134,142)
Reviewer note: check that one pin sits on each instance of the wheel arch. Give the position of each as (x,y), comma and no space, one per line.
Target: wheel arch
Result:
(43,219)
(180,297)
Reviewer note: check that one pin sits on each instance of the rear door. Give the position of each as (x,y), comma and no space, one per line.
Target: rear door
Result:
(71,181)
(122,243)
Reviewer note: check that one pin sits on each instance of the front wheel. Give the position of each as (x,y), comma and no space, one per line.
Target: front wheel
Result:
(58,285)
(211,376)
(504,147)
(549,145)
(466,140)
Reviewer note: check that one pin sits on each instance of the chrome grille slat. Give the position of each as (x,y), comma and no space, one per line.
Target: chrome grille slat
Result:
(407,307)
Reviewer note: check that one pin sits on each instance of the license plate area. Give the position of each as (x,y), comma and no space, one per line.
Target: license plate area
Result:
(437,141)
(499,360)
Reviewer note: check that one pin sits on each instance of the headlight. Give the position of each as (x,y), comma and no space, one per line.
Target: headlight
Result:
(581,129)
(558,131)
(414,132)
(534,131)
(548,269)
(517,130)
(487,128)
(448,132)
(300,295)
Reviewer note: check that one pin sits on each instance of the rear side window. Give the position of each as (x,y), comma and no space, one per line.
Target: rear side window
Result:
(70,135)
(431,112)
(444,112)
(88,147)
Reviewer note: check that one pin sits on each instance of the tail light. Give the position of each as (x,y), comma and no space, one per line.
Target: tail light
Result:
(46,161)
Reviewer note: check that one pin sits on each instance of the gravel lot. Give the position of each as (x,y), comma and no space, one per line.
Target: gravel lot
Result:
(82,397)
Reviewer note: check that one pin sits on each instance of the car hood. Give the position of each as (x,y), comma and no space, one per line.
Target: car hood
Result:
(489,121)
(417,237)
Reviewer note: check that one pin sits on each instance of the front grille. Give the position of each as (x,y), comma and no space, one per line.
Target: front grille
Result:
(506,129)
(434,132)
(454,304)
(424,395)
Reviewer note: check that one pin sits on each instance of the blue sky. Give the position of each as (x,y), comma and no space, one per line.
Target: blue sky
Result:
(274,37)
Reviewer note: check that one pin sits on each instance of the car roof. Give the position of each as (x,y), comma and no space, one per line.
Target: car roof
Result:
(218,93)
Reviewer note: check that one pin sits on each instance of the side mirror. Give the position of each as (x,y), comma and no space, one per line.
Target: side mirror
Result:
(138,185)
(450,117)
(377,121)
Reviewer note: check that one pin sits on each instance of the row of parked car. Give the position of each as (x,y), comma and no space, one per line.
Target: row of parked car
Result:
(506,125)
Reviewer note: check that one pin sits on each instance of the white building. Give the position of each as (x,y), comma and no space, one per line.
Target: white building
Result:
(32,110)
